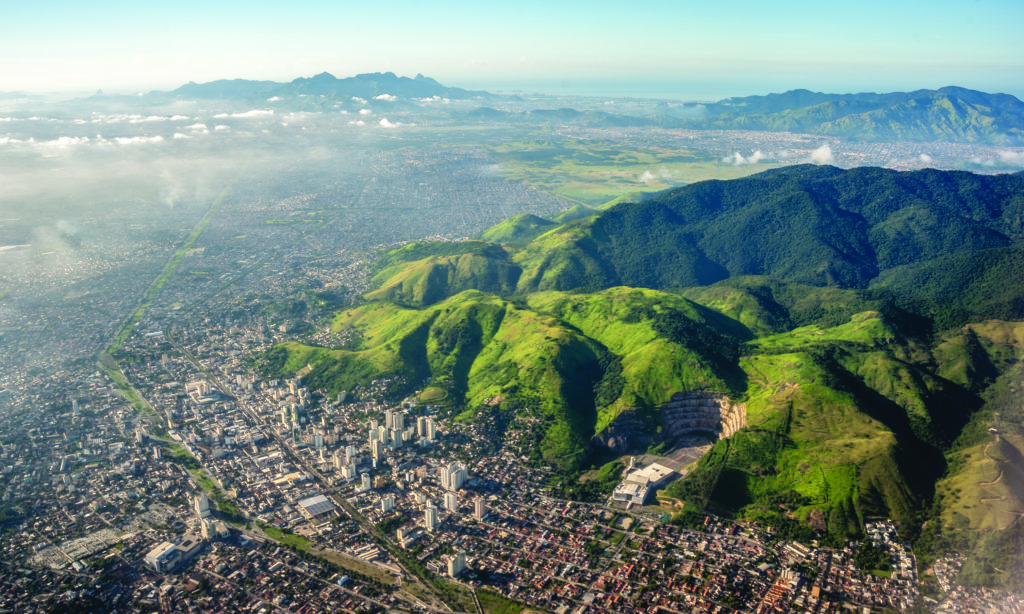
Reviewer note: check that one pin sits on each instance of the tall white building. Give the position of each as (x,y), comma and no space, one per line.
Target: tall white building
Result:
(451,501)
(430,518)
(480,509)
(387,504)
(202,504)
(366,481)
(349,471)
(456,564)
(453,476)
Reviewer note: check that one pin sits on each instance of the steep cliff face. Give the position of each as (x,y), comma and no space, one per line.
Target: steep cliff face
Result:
(685,413)
(693,411)
(629,431)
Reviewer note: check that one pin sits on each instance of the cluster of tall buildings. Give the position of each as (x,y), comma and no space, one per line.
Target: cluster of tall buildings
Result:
(453,475)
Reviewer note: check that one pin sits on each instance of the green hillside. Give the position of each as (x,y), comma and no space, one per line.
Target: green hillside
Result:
(484,267)
(847,313)
(519,230)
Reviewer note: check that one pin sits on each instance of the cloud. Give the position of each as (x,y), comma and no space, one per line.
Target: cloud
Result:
(246,114)
(157,118)
(387,97)
(179,136)
(356,122)
(822,155)
(359,100)
(1012,157)
(1007,157)
(365,112)
(274,99)
(67,141)
(646,177)
(385,123)
(200,128)
(138,140)
(221,128)
(925,159)
(737,159)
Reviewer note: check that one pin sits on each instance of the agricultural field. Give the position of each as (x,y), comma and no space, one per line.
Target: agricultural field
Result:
(595,173)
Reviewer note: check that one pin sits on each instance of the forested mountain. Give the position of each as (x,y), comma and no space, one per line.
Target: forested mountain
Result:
(810,224)
(947,114)
(849,315)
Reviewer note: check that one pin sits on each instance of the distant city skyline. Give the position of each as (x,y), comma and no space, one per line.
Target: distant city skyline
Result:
(646,48)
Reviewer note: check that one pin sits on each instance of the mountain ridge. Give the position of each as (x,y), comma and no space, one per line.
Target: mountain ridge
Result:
(874,400)
(366,85)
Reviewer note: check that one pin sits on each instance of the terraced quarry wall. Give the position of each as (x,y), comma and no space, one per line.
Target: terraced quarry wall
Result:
(684,414)
(692,411)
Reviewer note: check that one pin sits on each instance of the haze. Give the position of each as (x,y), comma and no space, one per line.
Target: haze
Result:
(676,50)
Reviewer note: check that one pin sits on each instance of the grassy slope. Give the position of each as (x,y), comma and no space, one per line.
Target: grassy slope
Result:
(653,367)
(518,230)
(435,278)
(476,347)
(981,499)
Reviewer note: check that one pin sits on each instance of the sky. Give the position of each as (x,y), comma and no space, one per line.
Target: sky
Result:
(689,49)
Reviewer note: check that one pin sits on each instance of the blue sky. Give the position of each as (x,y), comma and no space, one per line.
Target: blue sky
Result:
(681,48)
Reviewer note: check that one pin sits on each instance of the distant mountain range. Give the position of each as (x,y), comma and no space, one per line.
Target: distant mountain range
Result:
(368,85)
(946,114)
(949,114)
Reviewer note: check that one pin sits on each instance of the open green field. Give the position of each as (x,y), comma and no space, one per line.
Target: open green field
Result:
(288,538)
(595,173)
(493,603)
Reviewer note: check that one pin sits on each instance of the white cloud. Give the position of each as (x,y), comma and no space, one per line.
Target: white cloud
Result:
(365,112)
(274,99)
(200,128)
(737,159)
(646,177)
(221,128)
(822,155)
(359,100)
(925,159)
(137,140)
(387,97)
(179,136)
(66,141)
(356,122)
(384,123)
(1012,157)
(246,114)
